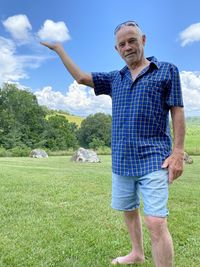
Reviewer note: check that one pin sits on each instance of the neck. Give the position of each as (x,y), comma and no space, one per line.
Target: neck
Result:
(140,64)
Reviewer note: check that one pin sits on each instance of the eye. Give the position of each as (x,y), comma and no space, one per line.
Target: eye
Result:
(132,41)
(121,45)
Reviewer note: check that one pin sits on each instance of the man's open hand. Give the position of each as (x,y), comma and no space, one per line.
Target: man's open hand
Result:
(52,46)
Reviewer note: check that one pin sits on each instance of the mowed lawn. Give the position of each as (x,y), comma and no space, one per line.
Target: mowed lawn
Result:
(56,213)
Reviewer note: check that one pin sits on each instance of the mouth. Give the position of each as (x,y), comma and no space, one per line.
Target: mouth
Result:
(130,54)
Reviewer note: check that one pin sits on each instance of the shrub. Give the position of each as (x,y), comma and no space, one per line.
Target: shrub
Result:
(19,152)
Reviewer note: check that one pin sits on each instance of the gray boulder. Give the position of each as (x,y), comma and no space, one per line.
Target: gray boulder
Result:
(187,158)
(85,155)
(38,153)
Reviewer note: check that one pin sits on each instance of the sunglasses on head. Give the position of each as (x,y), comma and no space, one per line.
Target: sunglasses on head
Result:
(126,23)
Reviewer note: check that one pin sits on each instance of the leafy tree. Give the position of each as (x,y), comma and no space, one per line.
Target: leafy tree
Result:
(24,124)
(96,143)
(22,120)
(95,130)
(59,133)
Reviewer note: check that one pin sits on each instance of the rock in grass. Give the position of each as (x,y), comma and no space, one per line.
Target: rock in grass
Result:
(38,153)
(187,158)
(85,155)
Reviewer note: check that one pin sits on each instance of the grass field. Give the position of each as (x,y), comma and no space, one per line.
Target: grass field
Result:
(192,138)
(56,213)
(72,118)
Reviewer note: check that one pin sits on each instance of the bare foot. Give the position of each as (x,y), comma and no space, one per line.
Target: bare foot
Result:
(128,259)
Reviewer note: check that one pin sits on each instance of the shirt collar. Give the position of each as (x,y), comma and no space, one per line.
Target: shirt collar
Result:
(153,63)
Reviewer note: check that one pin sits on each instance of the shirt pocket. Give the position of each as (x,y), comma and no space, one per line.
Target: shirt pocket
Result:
(151,96)
(151,88)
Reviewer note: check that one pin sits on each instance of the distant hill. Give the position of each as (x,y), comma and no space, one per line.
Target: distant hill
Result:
(192,123)
(193,126)
(71,118)
(193,120)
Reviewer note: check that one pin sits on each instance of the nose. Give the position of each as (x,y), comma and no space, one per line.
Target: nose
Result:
(127,46)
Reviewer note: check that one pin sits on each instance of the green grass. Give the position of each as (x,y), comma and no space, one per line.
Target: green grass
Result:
(56,213)
(192,140)
(72,118)
(192,144)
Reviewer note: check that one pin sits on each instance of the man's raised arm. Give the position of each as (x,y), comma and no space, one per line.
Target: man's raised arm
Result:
(80,76)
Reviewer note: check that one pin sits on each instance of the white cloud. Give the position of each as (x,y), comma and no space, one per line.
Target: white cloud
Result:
(190,34)
(12,66)
(19,27)
(190,82)
(54,31)
(79,100)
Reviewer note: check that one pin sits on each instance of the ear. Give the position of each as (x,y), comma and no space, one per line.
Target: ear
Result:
(144,39)
(116,48)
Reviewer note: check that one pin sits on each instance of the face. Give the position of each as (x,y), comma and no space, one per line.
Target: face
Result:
(130,44)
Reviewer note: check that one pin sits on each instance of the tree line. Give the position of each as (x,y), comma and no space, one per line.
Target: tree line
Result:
(25,125)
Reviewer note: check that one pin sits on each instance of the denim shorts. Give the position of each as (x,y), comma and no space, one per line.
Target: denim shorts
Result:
(153,188)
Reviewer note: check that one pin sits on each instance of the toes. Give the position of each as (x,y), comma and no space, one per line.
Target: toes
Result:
(126,260)
(115,261)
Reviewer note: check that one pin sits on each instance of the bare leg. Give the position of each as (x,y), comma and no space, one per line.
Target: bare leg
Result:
(162,245)
(133,222)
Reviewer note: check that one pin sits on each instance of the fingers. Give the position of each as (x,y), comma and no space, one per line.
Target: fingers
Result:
(47,44)
(165,163)
(44,43)
(53,46)
(175,167)
(174,174)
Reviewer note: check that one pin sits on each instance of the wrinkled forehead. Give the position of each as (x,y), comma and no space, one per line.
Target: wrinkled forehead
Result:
(126,32)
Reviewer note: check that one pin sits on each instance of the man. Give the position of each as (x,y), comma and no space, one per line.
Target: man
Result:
(143,93)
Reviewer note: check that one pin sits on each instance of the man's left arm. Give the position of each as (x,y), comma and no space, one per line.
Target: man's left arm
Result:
(175,161)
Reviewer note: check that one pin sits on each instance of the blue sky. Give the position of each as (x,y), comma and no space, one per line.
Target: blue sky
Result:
(86,30)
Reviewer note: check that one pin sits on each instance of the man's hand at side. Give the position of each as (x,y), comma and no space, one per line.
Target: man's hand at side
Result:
(174,163)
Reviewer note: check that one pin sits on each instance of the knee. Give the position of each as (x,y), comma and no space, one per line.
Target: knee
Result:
(131,215)
(156,226)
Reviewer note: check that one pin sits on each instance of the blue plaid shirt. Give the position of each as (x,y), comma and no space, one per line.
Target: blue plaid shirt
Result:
(141,138)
